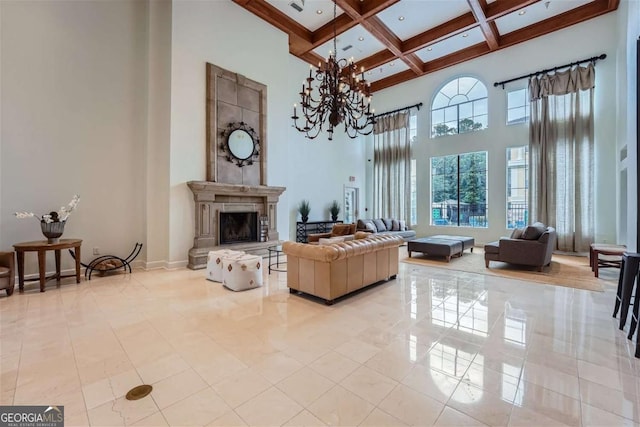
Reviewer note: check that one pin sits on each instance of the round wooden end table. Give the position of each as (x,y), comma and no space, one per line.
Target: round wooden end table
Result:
(41,247)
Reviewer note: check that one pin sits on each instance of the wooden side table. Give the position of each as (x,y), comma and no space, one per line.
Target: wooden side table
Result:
(42,247)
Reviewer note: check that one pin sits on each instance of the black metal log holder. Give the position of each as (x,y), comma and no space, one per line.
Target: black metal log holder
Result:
(126,262)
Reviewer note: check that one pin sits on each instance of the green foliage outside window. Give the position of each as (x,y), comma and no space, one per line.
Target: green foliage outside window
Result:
(459,193)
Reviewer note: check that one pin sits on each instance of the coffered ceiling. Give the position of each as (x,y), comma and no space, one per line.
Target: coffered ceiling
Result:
(398,40)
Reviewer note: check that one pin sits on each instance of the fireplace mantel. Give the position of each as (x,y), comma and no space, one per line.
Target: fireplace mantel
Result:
(211,198)
(205,190)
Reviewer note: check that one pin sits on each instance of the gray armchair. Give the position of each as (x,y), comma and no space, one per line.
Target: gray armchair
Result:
(531,246)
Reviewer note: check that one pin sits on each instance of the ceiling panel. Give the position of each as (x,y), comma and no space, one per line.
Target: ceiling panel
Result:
(430,30)
(362,44)
(308,17)
(535,13)
(386,70)
(451,45)
(421,14)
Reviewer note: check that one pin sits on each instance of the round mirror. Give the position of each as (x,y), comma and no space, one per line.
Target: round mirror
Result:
(240,144)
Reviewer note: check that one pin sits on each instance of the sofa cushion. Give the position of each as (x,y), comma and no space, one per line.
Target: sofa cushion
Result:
(380,225)
(367,224)
(388,223)
(517,233)
(395,225)
(534,231)
(403,225)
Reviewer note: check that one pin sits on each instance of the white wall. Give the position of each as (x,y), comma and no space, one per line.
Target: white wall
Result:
(159,134)
(555,49)
(314,170)
(318,169)
(107,99)
(74,120)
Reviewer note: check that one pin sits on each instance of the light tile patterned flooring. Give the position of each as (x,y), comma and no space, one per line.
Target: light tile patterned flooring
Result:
(433,347)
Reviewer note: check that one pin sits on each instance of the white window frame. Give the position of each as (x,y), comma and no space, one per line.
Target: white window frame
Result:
(526,106)
(471,103)
(515,220)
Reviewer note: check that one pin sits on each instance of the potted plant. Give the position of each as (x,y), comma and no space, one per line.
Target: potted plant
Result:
(304,210)
(334,210)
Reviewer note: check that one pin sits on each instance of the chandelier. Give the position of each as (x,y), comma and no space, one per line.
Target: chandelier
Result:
(343,96)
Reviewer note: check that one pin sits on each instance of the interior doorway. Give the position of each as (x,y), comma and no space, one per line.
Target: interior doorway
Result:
(351,204)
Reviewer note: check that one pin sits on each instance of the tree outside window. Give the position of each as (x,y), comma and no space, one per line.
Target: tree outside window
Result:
(459,107)
(459,190)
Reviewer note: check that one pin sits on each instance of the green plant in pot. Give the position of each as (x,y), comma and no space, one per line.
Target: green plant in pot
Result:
(304,208)
(334,210)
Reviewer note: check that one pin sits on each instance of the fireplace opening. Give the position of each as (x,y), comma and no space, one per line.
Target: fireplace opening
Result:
(238,227)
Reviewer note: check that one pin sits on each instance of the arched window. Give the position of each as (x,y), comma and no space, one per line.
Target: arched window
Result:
(459,107)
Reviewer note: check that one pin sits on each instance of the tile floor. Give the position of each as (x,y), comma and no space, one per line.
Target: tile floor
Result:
(432,347)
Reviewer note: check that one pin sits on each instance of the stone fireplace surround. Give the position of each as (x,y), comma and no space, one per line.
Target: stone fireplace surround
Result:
(211,198)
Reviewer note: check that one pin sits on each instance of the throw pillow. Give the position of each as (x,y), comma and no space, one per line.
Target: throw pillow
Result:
(388,223)
(380,225)
(534,231)
(403,225)
(395,225)
(367,224)
(517,233)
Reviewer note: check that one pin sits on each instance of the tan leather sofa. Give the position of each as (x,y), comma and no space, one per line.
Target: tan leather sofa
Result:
(335,270)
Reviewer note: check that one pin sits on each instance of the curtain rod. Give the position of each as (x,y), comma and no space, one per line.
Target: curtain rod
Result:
(594,59)
(418,105)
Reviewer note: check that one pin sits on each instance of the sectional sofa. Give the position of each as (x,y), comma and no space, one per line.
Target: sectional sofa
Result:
(386,226)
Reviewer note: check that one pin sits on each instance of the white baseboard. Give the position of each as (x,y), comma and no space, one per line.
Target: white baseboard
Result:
(177,264)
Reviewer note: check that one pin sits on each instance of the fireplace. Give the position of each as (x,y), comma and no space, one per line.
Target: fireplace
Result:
(238,227)
(213,200)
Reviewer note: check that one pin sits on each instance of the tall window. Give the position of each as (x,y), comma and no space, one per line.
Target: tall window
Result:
(413,133)
(459,107)
(517,186)
(517,106)
(459,190)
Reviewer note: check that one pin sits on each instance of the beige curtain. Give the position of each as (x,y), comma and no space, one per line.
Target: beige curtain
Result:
(561,145)
(392,167)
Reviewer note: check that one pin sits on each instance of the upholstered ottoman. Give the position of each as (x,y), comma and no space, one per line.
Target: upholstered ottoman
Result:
(242,272)
(214,263)
(438,247)
(467,241)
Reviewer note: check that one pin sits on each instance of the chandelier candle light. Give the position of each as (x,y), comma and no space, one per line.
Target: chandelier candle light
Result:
(344,96)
